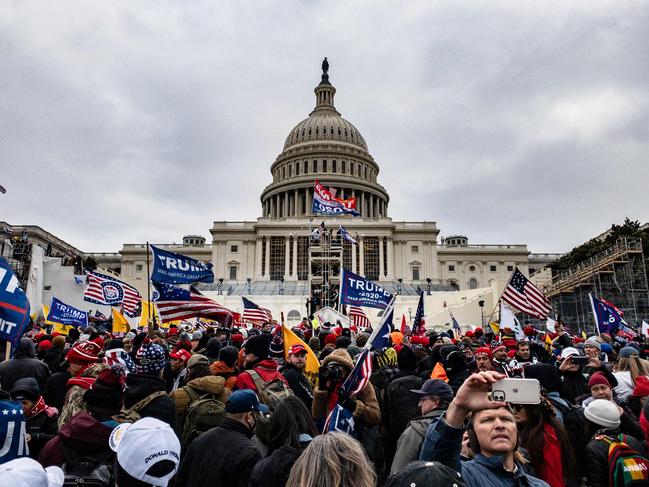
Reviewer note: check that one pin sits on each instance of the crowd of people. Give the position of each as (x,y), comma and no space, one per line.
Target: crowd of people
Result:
(234,407)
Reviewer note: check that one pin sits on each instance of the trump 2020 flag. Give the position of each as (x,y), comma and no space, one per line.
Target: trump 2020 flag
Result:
(325,203)
(14,305)
(64,314)
(607,318)
(172,268)
(12,431)
(355,290)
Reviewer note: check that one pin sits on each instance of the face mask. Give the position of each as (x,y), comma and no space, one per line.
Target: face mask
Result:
(254,423)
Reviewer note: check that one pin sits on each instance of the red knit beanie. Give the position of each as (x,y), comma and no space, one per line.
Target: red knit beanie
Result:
(44,345)
(484,351)
(83,353)
(330,338)
(598,378)
(641,386)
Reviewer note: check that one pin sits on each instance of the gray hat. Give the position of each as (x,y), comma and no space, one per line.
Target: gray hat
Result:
(435,387)
(591,342)
(603,413)
(197,335)
(628,352)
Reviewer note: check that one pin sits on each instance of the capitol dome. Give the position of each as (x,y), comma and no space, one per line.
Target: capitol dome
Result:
(329,148)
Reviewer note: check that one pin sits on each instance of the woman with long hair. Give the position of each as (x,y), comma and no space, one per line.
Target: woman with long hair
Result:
(291,431)
(629,367)
(547,443)
(333,460)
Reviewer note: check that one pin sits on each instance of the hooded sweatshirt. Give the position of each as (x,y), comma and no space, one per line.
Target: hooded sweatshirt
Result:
(23,365)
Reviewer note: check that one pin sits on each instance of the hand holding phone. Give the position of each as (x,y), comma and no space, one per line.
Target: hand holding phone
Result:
(517,391)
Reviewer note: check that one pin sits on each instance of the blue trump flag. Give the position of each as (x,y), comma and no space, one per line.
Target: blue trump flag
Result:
(167,292)
(65,314)
(607,318)
(172,268)
(358,291)
(12,431)
(14,305)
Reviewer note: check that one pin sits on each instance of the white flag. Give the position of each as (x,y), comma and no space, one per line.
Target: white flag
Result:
(645,328)
(508,320)
(549,325)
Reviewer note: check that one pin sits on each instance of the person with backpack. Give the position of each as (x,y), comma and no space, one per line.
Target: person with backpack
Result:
(612,458)
(225,366)
(146,393)
(178,360)
(260,370)
(225,455)
(41,419)
(434,397)
(200,404)
(293,371)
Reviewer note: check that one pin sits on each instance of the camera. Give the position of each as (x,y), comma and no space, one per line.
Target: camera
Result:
(332,372)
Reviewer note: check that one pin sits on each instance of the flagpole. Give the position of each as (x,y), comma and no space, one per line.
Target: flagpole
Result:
(375,331)
(592,305)
(148,283)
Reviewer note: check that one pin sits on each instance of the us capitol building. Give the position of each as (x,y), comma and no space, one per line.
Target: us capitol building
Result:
(280,253)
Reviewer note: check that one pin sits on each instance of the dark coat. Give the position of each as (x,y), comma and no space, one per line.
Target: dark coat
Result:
(273,471)
(139,386)
(23,365)
(222,457)
(83,434)
(299,384)
(55,389)
(596,457)
(53,358)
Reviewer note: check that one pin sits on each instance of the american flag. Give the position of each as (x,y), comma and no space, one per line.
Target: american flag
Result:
(109,291)
(254,313)
(358,317)
(525,296)
(417,325)
(192,305)
(360,376)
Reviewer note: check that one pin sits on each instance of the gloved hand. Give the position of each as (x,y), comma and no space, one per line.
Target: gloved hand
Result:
(348,403)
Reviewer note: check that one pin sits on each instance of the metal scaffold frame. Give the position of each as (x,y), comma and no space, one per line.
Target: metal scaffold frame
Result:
(618,275)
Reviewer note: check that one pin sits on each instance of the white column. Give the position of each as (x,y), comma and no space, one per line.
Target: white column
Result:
(286,256)
(258,255)
(390,243)
(267,266)
(296,199)
(295,257)
(381,261)
(361,256)
(353,269)
(309,202)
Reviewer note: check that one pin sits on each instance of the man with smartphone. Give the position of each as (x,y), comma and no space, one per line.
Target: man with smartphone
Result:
(493,433)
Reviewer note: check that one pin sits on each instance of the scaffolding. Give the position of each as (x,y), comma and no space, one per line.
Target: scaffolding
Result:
(618,275)
(325,264)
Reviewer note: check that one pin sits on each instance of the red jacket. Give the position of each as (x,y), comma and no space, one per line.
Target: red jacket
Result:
(552,470)
(267,369)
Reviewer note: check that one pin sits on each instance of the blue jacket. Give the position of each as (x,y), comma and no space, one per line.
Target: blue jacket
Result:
(443,444)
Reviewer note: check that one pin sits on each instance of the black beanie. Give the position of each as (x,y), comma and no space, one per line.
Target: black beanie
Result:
(407,359)
(229,355)
(259,345)
(106,395)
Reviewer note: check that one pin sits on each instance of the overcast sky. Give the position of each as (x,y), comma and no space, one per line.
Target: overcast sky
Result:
(510,122)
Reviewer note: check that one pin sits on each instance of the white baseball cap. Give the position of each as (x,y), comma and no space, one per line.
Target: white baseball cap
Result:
(26,472)
(569,352)
(141,445)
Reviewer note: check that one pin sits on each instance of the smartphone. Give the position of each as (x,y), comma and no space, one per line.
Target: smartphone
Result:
(579,360)
(517,391)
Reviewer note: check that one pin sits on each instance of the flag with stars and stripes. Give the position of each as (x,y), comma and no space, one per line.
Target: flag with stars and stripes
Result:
(525,296)
(109,291)
(182,304)
(417,324)
(253,313)
(358,317)
(12,431)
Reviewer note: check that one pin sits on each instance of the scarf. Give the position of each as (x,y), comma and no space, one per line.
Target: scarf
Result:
(39,407)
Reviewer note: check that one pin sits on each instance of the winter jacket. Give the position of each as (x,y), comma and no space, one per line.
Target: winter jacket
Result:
(139,386)
(300,385)
(223,456)
(552,470)
(221,369)
(23,365)
(83,434)
(625,385)
(53,358)
(273,471)
(411,440)
(480,471)
(596,456)
(203,385)
(367,407)
(267,370)
(76,388)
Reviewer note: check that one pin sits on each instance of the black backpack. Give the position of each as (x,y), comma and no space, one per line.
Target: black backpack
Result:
(401,405)
(90,470)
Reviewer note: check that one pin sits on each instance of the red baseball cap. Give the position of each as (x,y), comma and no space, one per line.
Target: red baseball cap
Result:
(297,348)
(180,354)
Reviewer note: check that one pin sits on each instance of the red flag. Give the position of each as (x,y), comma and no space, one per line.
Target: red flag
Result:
(403,324)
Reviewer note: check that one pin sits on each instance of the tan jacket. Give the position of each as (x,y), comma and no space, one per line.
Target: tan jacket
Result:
(209,384)
(367,407)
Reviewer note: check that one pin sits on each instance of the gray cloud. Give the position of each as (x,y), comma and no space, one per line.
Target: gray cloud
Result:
(518,123)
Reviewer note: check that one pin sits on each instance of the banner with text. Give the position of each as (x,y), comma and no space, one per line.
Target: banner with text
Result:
(172,268)
(14,305)
(325,203)
(65,314)
(359,291)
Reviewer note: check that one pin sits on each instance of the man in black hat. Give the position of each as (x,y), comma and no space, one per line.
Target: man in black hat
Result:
(434,398)
(424,474)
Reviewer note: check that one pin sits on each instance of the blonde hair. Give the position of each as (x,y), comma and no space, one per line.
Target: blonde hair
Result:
(634,365)
(332,460)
